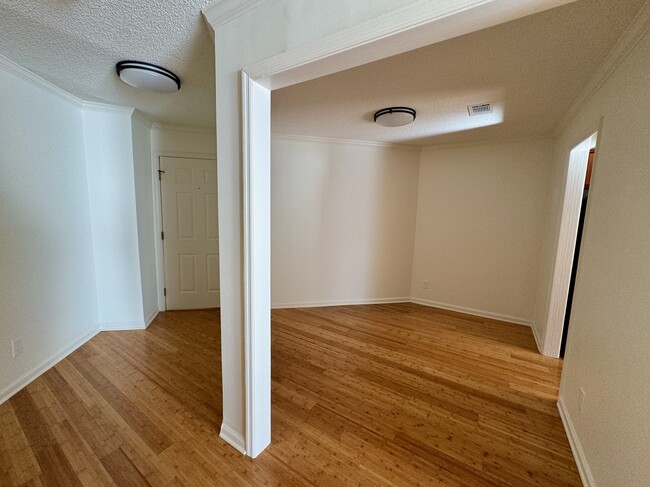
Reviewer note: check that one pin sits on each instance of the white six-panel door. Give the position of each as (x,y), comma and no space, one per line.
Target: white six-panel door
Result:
(191,237)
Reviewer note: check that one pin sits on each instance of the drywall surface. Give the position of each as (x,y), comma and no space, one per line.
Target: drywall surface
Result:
(609,337)
(111,184)
(173,140)
(342,221)
(146,205)
(480,214)
(47,282)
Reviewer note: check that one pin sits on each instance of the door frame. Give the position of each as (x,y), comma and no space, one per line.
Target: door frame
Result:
(157,217)
(577,157)
(397,31)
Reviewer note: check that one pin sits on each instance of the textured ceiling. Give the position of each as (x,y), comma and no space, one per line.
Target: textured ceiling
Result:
(531,69)
(76,43)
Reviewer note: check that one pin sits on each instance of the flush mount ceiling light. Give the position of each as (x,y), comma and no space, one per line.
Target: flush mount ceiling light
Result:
(394,116)
(147,76)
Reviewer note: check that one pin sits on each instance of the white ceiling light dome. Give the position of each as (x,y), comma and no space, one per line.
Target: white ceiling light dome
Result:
(394,116)
(146,76)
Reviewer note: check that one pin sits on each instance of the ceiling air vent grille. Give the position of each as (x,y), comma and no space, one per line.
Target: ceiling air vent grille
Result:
(481,109)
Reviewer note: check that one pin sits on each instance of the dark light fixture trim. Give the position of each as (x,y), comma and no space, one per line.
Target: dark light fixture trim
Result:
(142,66)
(396,110)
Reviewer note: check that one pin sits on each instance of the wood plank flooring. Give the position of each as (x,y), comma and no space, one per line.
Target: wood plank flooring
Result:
(382,395)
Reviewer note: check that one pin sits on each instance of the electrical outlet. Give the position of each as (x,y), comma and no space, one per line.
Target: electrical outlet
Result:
(582,399)
(16,347)
(425,284)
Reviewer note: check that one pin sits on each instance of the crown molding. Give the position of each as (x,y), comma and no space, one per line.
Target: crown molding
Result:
(331,140)
(10,66)
(223,12)
(97,106)
(183,128)
(621,50)
(142,118)
(381,37)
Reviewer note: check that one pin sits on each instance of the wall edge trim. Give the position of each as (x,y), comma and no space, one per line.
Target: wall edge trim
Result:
(27,75)
(225,11)
(122,326)
(233,438)
(538,342)
(93,105)
(474,312)
(36,372)
(150,318)
(576,448)
(335,140)
(340,302)
(631,37)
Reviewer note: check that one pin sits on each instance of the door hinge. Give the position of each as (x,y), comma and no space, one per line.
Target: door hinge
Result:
(165,292)
(160,173)
(162,235)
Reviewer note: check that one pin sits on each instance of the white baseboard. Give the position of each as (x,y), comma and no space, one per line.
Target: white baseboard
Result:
(576,448)
(123,326)
(471,311)
(234,439)
(341,302)
(151,317)
(538,342)
(25,379)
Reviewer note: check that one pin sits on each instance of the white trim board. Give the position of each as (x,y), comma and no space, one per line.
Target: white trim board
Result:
(11,67)
(538,342)
(578,453)
(420,23)
(234,439)
(331,140)
(474,312)
(634,33)
(343,302)
(39,370)
(224,11)
(123,326)
(415,25)
(150,319)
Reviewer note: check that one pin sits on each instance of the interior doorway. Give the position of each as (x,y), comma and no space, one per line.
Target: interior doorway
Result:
(573,213)
(576,254)
(190,232)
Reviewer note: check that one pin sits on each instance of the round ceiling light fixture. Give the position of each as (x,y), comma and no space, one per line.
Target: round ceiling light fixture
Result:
(394,116)
(146,76)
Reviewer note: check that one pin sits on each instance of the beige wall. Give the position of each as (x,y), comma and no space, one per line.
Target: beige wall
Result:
(480,213)
(608,350)
(343,222)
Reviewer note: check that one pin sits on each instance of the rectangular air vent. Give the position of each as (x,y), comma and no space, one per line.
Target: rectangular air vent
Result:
(479,109)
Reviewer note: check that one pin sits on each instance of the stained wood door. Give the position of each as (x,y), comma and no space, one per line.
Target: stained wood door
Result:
(191,237)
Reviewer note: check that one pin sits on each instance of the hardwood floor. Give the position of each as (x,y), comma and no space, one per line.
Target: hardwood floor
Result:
(388,395)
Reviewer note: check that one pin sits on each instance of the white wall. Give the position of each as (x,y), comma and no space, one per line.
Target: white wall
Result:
(47,281)
(343,221)
(146,207)
(609,336)
(111,185)
(182,141)
(480,214)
